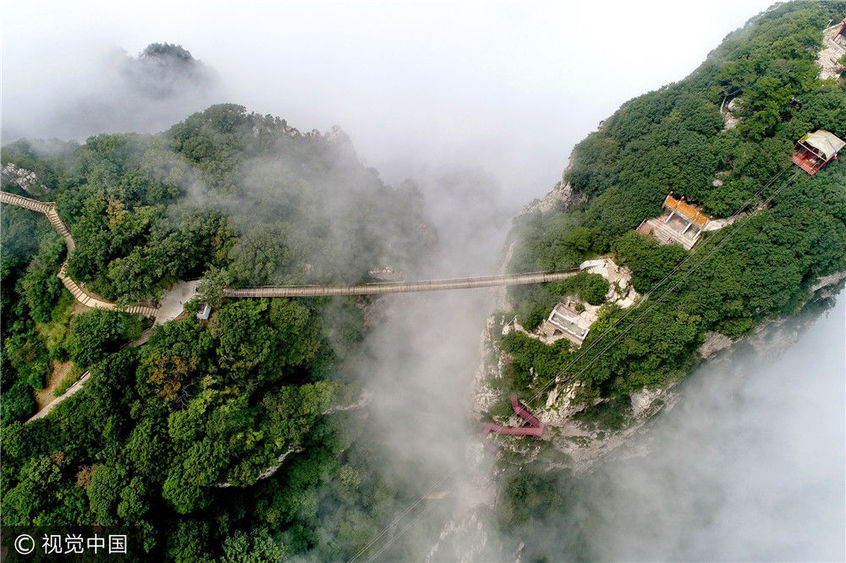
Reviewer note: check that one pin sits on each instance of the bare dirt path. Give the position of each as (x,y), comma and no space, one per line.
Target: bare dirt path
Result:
(44,410)
(45,396)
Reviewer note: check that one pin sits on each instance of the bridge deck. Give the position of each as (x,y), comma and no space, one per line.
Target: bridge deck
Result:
(399,287)
(48,208)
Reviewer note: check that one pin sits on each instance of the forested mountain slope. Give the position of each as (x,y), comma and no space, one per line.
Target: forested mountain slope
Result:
(170,438)
(173,439)
(765,265)
(674,140)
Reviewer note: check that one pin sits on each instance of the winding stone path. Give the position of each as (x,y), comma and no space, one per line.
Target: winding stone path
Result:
(48,208)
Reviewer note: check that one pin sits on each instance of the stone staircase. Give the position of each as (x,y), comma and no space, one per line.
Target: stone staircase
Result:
(27,203)
(48,208)
(54,219)
(90,300)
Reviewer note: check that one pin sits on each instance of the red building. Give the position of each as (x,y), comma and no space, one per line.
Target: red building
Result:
(815,150)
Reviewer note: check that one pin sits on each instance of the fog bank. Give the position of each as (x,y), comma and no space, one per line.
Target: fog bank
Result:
(103,89)
(418,369)
(749,465)
(508,87)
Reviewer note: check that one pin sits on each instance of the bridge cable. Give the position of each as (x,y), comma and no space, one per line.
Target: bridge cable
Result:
(397,519)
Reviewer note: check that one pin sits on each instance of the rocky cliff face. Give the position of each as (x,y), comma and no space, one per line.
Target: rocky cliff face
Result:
(24,179)
(579,445)
(563,196)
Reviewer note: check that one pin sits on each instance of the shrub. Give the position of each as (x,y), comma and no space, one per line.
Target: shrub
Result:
(589,287)
(96,334)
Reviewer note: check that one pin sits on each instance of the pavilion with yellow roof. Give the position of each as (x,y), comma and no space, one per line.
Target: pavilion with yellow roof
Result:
(679,223)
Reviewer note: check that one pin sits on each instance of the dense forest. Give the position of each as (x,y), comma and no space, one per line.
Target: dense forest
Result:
(674,140)
(176,438)
(222,439)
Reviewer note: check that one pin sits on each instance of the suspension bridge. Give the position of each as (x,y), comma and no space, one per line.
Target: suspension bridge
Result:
(377,288)
(400,287)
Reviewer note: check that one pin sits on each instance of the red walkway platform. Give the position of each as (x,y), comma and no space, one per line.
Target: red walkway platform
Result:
(535,427)
(808,162)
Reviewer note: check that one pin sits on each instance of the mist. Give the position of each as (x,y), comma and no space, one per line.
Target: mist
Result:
(508,87)
(747,466)
(418,370)
(104,89)
(480,104)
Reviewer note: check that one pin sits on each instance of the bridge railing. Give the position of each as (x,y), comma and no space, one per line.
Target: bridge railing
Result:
(400,287)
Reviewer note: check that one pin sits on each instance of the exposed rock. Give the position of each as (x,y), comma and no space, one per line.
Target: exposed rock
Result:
(731,113)
(734,105)
(714,342)
(490,369)
(270,470)
(560,406)
(374,311)
(834,47)
(827,293)
(644,400)
(720,178)
(274,468)
(621,292)
(562,195)
(24,179)
(828,280)
(362,402)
